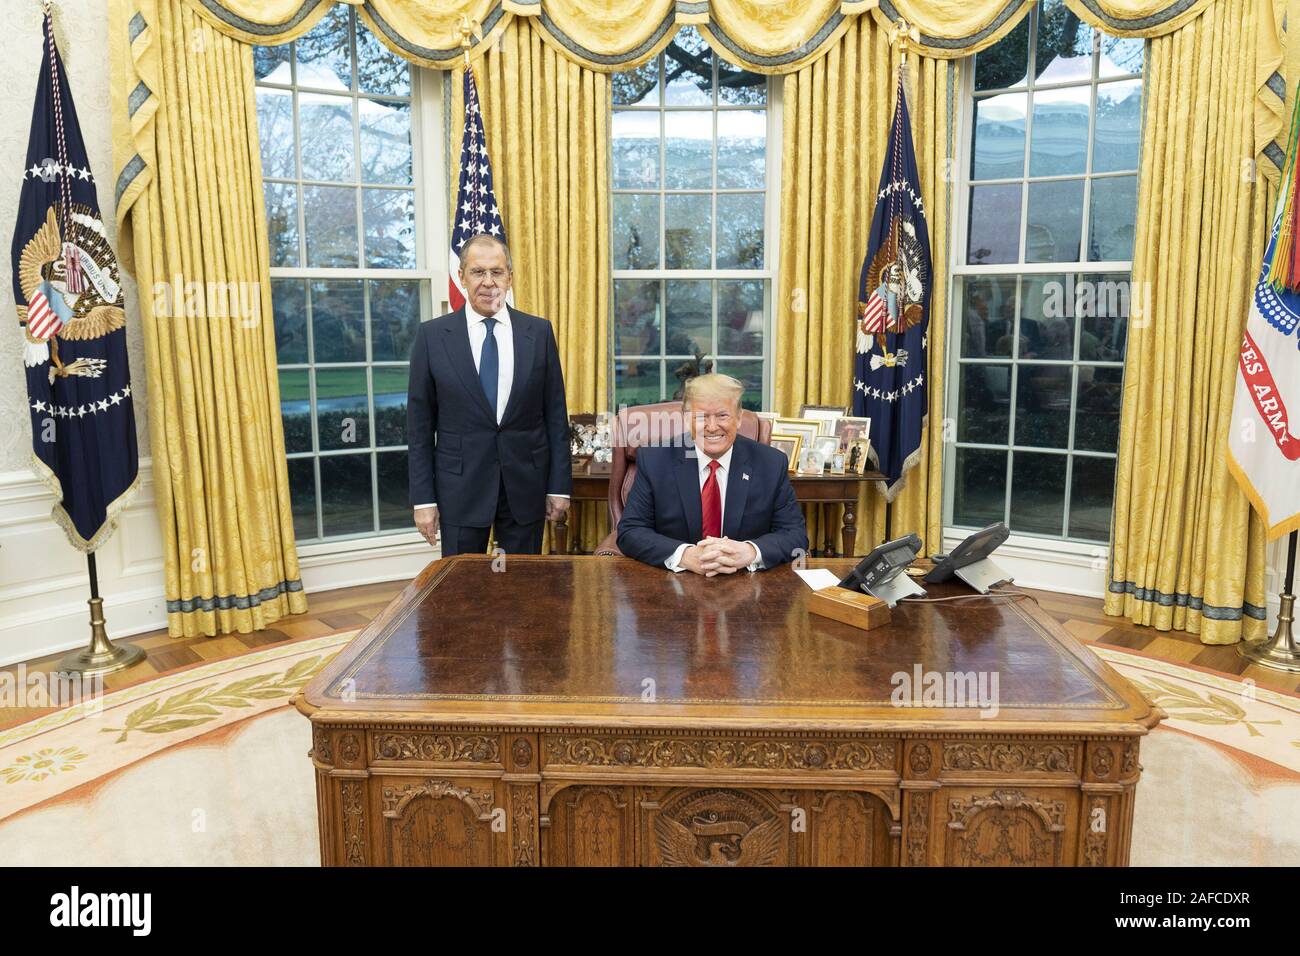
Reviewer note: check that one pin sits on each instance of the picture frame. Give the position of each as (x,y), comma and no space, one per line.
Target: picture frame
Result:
(811,462)
(827,445)
(807,428)
(789,445)
(837,463)
(858,460)
(848,430)
(826,414)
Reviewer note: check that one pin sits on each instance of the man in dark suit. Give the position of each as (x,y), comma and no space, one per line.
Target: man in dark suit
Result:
(724,505)
(486,420)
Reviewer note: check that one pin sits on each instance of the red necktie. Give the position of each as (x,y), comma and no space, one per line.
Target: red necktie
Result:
(711,503)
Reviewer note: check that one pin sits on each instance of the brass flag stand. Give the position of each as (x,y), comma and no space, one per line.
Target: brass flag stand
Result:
(102,656)
(1280,651)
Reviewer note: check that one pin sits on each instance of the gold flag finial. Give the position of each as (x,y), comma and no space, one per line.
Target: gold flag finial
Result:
(468,28)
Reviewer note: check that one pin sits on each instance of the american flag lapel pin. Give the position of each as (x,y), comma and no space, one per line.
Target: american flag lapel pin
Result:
(745,475)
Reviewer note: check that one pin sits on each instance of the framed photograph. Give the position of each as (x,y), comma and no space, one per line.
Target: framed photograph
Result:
(858,461)
(848,430)
(789,444)
(837,463)
(826,414)
(827,445)
(811,462)
(807,428)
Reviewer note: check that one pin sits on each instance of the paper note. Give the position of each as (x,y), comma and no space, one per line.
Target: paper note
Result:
(819,578)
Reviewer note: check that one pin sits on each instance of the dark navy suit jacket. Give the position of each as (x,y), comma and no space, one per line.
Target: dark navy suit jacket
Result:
(663,508)
(463,472)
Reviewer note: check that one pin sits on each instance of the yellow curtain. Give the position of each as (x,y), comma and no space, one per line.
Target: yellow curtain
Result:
(547,126)
(1187,551)
(192,225)
(836,118)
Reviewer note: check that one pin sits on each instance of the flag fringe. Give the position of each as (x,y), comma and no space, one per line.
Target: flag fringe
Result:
(61,517)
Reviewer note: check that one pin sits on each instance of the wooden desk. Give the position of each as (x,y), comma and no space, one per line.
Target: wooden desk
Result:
(809,489)
(584,710)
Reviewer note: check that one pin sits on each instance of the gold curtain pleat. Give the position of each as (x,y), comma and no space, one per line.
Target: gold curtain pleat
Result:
(1187,552)
(197,226)
(836,118)
(547,126)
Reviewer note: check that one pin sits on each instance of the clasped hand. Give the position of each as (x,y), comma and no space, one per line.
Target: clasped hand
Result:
(718,556)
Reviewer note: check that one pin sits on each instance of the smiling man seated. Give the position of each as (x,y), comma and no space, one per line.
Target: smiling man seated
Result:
(724,505)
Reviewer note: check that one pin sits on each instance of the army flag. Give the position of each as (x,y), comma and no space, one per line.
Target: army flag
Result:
(893,312)
(68,290)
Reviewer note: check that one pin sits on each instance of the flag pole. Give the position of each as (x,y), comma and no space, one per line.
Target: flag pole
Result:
(1279,652)
(101,656)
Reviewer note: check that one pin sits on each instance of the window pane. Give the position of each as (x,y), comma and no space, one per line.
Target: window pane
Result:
(688,223)
(636,231)
(338,321)
(1043,405)
(1054,221)
(742,149)
(1120,56)
(1006,63)
(688,149)
(295,410)
(385,142)
(740,317)
(1096,417)
(994,225)
(342,417)
(289,311)
(1119,124)
(690,317)
(636,382)
(688,65)
(275,133)
(282,222)
(390,383)
(330,219)
(635,146)
(1110,219)
(394,318)
(1103,307)
(394,507)
(988,316)
(1038,493)
(302,496)
(636,317)
(637,86)
(1060,138)
(1064,45)
(1092,487)
(984,403)
(750,375)
(324,54)
(326,126)
(1047,317)
(346,503)
(998,147)
(980,492)
(390,228)
(740,231)
(271,63)
(740,86)
(379,70)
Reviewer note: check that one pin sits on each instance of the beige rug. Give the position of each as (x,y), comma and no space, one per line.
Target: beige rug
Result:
(208,767)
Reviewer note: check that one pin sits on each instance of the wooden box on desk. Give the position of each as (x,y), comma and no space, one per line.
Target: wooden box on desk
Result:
(850,607)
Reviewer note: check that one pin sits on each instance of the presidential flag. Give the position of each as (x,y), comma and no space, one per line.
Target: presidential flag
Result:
(476,202)
(69,294)
(893,314)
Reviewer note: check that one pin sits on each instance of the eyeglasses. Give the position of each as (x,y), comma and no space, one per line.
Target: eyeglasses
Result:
(481,274)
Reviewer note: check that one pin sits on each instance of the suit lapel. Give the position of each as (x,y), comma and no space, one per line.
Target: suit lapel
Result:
(456,337)
(688,486)
(522,335)
(737,489)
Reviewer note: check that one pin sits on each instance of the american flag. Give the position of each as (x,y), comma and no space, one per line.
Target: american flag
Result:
(476,201)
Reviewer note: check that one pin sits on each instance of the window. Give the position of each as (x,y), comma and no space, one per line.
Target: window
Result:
(1041,290)
(338,116)
(693,256)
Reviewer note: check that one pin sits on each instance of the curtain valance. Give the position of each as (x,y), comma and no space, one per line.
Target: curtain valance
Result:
(767,36)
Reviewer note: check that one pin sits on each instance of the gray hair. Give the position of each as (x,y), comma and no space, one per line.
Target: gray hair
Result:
(712,385)
(478,240)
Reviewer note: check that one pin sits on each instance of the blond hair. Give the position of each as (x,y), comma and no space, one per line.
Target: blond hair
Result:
(713,385)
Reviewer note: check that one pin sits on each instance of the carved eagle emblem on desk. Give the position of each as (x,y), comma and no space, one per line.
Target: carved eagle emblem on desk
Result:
(712,840)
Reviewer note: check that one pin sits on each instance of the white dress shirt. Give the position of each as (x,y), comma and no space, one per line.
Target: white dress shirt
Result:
(505,339)
(674,562)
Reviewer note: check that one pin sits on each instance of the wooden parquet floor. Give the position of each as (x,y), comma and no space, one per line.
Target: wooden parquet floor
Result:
(349,609)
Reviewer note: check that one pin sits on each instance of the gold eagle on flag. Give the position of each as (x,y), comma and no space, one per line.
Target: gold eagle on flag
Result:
(897,276)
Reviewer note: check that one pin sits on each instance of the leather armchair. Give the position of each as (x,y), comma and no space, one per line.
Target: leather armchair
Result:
(657,424)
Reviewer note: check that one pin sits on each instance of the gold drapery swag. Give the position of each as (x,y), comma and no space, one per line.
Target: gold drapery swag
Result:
(192,228)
